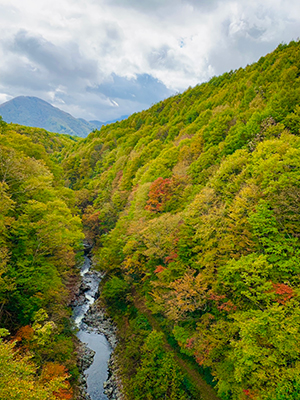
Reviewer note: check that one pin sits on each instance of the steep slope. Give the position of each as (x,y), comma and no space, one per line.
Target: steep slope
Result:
(193,208)
(195,204)
(32,111)
(40,236)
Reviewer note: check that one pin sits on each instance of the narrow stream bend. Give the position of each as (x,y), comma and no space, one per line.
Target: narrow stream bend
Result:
(94,330)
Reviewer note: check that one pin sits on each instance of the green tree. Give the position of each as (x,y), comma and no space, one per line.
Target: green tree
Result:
(158,377)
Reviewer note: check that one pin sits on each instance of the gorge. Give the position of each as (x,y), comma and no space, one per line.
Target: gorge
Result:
(192,209)
(97,333)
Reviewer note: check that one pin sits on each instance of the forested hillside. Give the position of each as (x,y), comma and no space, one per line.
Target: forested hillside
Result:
(40,235)
(193,210)
(195,204)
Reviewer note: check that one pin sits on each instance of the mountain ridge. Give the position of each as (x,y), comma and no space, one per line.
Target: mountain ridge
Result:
(35,112)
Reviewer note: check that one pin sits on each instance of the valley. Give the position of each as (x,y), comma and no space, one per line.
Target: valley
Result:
(191,209)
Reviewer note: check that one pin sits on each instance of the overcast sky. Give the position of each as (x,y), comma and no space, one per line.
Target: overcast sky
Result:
(100,59)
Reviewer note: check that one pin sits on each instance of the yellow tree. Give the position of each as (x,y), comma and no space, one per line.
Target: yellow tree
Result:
(18,379)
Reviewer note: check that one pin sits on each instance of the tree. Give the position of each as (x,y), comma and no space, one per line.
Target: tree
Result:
(19,380)
(158,376)
(160,192)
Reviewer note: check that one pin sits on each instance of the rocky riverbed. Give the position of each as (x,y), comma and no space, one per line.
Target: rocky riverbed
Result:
(96,361)
(96,319)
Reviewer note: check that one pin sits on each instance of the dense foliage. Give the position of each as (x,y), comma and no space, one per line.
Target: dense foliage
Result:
(19,380)
(193,206)
(195,203)
(40,234)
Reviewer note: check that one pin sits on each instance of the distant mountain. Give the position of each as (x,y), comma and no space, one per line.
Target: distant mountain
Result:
(32,111)
(113,120)
(97,124)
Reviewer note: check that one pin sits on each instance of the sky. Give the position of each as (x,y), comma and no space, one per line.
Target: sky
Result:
(101,59)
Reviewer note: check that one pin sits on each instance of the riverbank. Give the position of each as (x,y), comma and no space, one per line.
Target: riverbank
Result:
(99,378)
(97,319)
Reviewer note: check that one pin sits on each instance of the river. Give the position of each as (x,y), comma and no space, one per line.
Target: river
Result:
(97,373)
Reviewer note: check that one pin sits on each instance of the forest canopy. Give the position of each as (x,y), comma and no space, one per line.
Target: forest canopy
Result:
(194,204)
(40,236)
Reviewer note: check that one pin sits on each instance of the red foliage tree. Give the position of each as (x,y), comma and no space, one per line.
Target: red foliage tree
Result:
(283,291)
(55,370)
(171,258)
(159,269)
(160,192)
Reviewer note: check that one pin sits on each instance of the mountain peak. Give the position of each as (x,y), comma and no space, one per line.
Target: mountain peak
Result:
(33,111)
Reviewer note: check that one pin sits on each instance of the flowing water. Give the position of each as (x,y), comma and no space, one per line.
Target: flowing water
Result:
(97,373)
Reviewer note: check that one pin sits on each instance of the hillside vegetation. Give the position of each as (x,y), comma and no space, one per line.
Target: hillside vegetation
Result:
(195,204)
(40,235)
(193,210)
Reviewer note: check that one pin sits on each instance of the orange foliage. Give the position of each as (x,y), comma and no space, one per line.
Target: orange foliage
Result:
(284,292)
(65,394)
(159,194)
(228,306)
(248,394)
(24,333)
(215,297)
(159,269)
(222,305)
(171,258)
(54,370)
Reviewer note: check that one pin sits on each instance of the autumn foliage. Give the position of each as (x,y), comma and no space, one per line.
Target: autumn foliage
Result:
(52,371)
(160,192)
(284,292)
(193,204)
(24,334)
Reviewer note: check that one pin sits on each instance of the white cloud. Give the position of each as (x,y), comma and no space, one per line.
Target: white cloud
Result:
(4,97)
(78,44)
